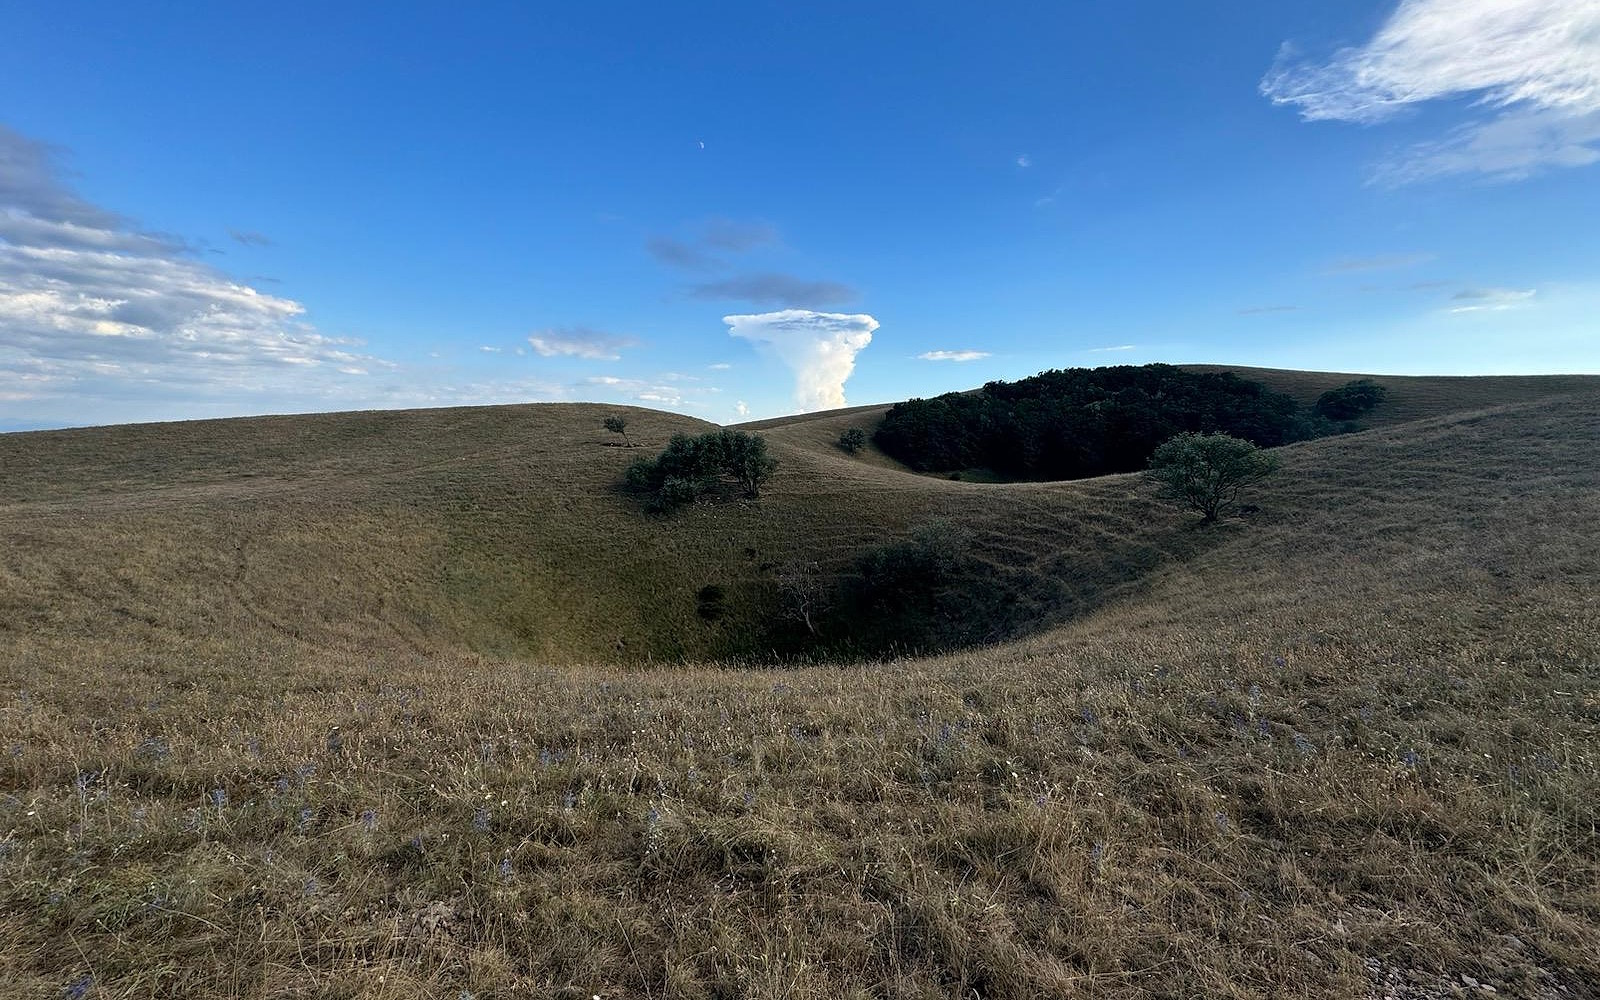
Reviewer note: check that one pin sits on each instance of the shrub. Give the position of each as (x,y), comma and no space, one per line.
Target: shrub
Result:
(691,467)
(1351,400)
(913,571)
(710,602)
(1207,472)
(618,424)
(853,440)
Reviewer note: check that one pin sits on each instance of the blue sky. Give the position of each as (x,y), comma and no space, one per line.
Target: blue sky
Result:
(756,208)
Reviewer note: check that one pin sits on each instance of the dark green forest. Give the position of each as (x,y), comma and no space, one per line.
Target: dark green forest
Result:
(1080,422)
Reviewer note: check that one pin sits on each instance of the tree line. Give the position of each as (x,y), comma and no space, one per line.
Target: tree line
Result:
(1080,422)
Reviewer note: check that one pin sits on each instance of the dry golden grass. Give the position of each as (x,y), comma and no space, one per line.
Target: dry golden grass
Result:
(302,708)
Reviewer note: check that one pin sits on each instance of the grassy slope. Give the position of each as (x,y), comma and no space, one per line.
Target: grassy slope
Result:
(1362,726)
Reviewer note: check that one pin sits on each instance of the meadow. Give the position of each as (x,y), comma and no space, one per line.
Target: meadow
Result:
(419,705)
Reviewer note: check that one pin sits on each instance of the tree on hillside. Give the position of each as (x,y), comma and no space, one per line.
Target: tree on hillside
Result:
(619,425)
(1207,472)
(853,440)
(805,593)
(744,457)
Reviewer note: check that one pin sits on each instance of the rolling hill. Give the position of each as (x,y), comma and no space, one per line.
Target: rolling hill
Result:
(414,703)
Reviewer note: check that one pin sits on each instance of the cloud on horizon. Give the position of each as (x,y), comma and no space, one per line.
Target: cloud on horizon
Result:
(103,322)
(819,348)
(580,342)
(1536,61)
(91,308)
(665,389)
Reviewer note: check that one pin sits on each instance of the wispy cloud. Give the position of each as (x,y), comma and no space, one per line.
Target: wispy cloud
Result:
(580,342)
(953,355)
(1024,161)
(735,236)
(1538,61)
(249,238)
(1491,299)
(778,290)
(716,236)
(820,348)
(720,366)
(1261,310)
(1377,262)
(1107,350)
(676,253)
(1512,147)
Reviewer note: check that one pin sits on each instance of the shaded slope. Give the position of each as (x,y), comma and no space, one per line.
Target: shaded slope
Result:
(499,530)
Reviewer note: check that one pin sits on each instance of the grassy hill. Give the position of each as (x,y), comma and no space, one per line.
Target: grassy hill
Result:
(356,705)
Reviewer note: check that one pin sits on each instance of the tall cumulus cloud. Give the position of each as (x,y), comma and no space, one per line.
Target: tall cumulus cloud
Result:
(819,348)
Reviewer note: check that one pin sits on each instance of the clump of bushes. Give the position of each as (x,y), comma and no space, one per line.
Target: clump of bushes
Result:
(694,466)
(1086,421)
(853,440)
(1351,400)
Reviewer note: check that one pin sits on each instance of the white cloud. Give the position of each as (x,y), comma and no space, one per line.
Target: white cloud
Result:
(1537,60)
(741,408)
(89,311)
(580,342)
(953,355)
(1491,299)
(1119,347)
(720,366)
(820,348)
(664,389)
(489,350)
(1024,161)
(101,322)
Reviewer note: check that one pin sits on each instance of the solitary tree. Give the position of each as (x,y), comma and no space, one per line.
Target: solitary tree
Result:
(1207,472)
(744,457)
(853,440)
(619,425)
(805,592)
